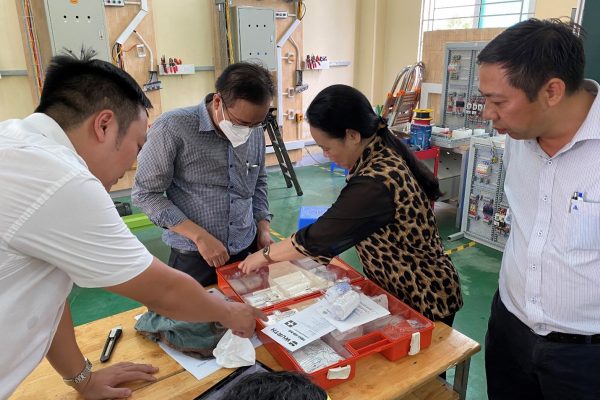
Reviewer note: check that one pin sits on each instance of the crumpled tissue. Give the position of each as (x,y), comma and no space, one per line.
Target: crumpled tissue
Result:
(233,351)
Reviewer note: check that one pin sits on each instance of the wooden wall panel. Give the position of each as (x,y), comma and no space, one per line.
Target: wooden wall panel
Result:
(291,129)
(117,19)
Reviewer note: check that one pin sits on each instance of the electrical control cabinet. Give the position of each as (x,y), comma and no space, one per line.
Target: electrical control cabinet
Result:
(253,31)
(76,24)
(462,104)
(486,215)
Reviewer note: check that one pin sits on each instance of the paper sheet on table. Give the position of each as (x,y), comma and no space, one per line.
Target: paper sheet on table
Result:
(300,329)
(196,367)
(366,311)
(199,368)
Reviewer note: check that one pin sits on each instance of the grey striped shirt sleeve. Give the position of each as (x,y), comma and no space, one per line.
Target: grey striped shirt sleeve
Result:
(155,174)
(260,202)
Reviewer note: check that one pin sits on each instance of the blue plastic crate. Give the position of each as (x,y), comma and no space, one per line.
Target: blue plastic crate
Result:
(309,214)
(333,166)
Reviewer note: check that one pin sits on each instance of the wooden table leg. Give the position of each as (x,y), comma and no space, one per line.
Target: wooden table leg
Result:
(461,378)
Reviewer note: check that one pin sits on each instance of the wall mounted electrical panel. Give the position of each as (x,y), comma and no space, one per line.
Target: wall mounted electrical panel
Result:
(462,104)
(114,3)
(486,215)
(76,24)
(253,31)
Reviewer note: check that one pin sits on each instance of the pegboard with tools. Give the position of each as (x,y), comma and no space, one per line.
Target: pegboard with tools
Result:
(174,66)
(486,215)
(462,104)
(315,62)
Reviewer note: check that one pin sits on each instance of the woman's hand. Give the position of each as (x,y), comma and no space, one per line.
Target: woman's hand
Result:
(253,262)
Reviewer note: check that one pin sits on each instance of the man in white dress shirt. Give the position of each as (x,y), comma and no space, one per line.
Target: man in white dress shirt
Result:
(543,339)
(59,226)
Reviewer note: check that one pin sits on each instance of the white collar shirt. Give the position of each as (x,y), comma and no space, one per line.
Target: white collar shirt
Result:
(550,274)
(58,225)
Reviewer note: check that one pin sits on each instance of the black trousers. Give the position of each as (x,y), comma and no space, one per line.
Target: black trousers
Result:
(194,265)
(522,365)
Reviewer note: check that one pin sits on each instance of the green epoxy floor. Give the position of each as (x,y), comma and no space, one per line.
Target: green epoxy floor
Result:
(478,266)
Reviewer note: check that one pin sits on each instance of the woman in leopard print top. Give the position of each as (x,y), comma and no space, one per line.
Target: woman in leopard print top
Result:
(384,210)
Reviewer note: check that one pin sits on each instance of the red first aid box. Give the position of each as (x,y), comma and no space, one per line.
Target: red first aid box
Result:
(284,288)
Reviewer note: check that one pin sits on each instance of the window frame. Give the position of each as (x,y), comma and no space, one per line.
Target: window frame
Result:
(428,15)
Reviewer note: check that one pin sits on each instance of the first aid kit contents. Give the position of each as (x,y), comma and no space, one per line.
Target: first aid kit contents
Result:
(323,318)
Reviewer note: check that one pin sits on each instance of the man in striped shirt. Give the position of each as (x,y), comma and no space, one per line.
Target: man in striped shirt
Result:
(209,160)
(543,339)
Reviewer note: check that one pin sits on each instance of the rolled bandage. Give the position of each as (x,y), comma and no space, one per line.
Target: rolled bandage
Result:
(344,304)
(336,291)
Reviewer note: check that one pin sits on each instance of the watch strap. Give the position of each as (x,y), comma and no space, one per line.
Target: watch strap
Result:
(82,376)
(266,252)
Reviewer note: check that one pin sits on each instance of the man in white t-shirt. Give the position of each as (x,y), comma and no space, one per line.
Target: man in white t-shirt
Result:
(59,226)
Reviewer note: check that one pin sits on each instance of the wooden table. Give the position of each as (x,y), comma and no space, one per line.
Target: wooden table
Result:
(410,378)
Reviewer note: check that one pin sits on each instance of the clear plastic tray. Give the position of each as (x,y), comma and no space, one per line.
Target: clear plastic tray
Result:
(282,282)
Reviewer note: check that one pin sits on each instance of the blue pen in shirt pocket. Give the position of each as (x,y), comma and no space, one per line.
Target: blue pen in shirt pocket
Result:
(575,203)
(583,228)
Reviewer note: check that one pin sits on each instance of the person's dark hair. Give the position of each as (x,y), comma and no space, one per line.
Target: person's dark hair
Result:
(75,88)
(535,51)
(340,107)
(281,385)
(245,81)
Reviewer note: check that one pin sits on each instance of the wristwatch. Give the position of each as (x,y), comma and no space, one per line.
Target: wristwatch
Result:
(87,370)
(266,252)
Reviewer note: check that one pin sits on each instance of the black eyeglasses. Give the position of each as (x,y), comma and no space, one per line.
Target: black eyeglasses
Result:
(259,125)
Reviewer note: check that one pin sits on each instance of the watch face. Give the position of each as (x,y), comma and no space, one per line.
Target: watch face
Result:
(266,252)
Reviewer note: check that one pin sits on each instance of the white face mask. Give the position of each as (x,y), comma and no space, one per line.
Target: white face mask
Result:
(237,134)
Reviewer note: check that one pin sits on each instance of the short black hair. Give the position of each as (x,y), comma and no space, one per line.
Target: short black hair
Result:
(535,51)
(75,88)
(280,385)
(245,81)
